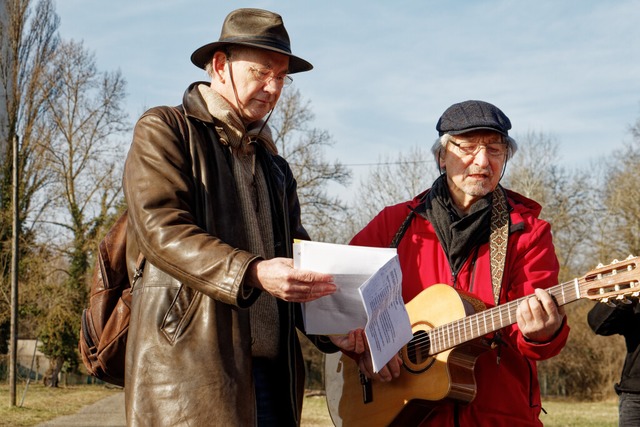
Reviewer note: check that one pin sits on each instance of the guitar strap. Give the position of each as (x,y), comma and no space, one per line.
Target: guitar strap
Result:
(497,239)
(405,224)
(403,228)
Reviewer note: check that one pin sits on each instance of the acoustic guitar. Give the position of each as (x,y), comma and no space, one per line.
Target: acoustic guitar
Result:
(449,330)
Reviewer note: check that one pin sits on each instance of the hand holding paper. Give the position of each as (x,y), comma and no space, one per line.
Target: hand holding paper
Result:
(278,277)
(368,296)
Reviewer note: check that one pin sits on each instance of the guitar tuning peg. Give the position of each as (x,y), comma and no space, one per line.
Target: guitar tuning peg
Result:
(623,299)
(630,257)
(635,294)
(600,265)
(615,261)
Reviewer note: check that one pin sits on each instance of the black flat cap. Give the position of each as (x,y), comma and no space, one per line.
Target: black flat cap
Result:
(473,115)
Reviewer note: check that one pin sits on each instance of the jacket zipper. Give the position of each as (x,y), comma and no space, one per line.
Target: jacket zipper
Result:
(454,274)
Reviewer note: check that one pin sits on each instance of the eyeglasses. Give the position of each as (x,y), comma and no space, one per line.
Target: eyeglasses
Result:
(494,149)
(265,75)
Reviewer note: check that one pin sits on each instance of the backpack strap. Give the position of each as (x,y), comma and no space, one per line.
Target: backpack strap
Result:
(178,112)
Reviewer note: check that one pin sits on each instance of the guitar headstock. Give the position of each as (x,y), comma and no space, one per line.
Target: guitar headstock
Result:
(614,282)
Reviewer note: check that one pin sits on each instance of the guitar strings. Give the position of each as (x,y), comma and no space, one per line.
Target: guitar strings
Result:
(443,337)
(449,335)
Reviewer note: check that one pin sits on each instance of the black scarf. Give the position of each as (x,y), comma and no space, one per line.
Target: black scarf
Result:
(459,236)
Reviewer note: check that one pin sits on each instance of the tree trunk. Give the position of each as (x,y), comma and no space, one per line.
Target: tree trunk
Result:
(50,378)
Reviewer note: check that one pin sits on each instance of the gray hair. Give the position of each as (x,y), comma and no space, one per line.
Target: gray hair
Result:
(438,147)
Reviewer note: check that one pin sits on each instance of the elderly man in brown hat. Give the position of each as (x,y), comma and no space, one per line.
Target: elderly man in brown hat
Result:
(489,245)
(214,210)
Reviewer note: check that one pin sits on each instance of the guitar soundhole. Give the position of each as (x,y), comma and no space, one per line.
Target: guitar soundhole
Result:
(416,354)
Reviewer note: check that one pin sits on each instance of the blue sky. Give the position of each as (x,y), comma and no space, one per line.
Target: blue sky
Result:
(386,70)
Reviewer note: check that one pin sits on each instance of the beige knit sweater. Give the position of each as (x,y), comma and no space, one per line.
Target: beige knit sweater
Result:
(252,190)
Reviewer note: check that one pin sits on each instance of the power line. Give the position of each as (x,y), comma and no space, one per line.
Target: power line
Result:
(415,162)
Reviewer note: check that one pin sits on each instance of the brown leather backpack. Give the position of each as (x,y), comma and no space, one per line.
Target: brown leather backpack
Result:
(105,323)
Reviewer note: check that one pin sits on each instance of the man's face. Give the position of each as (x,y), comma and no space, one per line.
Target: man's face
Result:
(474,163)
(255,97)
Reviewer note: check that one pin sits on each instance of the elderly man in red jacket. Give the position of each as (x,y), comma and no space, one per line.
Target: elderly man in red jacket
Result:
(469,232)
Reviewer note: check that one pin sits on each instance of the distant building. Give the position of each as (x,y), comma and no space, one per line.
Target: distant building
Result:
(31,360)
(32,363)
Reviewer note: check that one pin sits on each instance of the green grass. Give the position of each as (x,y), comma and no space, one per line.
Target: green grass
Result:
(560,413)
(567,413)
(42,404)
(315,412)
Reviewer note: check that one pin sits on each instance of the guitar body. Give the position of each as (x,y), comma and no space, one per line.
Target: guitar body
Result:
(424,379)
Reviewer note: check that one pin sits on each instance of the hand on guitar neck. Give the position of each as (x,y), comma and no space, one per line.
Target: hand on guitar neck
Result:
(539,317)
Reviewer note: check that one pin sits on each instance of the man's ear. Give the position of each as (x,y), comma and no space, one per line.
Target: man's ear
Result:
(218,64)
(441,162)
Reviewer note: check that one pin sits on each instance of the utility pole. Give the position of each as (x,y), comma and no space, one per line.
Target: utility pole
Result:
(14,279)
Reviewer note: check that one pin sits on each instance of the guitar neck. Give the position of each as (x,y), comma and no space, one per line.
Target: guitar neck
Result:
(477,325)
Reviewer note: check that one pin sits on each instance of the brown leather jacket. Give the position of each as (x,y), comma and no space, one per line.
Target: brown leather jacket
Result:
(189,344)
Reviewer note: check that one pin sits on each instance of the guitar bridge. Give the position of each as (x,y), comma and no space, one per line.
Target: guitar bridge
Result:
(367,390)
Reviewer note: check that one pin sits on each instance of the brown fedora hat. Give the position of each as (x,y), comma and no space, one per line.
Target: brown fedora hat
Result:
(255,28)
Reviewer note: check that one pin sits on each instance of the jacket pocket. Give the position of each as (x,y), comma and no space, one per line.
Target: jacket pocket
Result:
(180,313)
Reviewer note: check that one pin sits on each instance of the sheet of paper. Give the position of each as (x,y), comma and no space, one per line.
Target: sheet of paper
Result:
(350,266)
(388,326)
(369,295)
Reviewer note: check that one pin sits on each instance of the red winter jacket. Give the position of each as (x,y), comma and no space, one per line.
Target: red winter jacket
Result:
(508,392)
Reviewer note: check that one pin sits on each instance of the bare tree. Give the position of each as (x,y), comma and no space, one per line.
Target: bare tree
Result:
(303,147)
(588,365)
(572,205)
(86,115)
(615,234)
(565,196)
(85,155)
(393,180)
(28,40)
(621,193)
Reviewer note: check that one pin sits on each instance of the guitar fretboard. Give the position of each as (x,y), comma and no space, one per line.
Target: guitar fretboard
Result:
(474,326)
